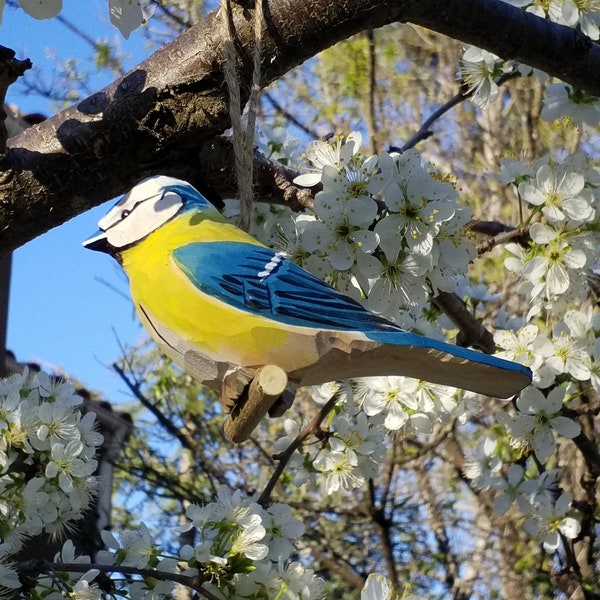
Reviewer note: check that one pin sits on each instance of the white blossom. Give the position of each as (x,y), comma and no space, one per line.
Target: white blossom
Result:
(569,356)
(479,69)
(537,420)
(340,469)
(564,101)
(515,488)
(248,539)
(560,193)
(481,464)
(128,15)
(376,588)
(320,154)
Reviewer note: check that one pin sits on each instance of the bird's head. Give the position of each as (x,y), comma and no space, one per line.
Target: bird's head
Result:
(147,207)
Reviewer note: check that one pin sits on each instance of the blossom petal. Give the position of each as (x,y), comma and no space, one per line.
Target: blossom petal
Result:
(566,427)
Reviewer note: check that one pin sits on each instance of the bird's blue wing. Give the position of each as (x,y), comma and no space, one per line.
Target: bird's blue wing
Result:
(257,280)
(261,281)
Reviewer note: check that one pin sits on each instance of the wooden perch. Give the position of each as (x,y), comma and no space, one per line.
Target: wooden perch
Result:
(250,401)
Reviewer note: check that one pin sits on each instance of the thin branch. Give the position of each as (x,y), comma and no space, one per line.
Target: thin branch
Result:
(498,234)
(489,227)
(288,116)
(372,77)
(587,447)
(111,62)
(425,132)
(181,23)
(384,525)
(184,439)
(283,457)
(37,566)
(335,564)
(438,526)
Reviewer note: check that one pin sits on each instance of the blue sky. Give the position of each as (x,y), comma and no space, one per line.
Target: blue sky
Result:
(62,313)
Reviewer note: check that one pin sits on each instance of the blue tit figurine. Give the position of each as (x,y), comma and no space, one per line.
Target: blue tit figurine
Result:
(213,296)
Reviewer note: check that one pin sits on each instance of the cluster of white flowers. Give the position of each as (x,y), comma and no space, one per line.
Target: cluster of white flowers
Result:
(559,201)
(243,550)
(480,70)
(353,450)
(126,15)
(562,101)
(366,410)
(553,268)
(534,495)
(386,229)
(572,13)
(80,584)
(408,403)
(277,144)
(47,451)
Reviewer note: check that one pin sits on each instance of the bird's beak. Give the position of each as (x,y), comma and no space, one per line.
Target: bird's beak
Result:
(99,242)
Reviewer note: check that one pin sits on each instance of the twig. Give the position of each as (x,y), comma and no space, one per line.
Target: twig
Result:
(472,332)
(280,179)
(38,566)
(181,23)
(112,62)
(185,440)
(489,227)
(585,445)
(331,560)
(384,525)
(288,116)
(284,457)
(425,132)
(437,523)
(372,76)
(518,234)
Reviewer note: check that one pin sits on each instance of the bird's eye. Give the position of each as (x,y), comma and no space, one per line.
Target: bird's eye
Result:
(125,213)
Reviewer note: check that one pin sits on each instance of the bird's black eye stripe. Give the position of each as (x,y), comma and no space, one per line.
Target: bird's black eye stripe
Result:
(127,211)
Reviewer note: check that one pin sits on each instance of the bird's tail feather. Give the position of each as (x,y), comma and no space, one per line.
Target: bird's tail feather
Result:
(344,355)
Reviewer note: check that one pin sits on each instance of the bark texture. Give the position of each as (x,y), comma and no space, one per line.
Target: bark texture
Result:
(163,116)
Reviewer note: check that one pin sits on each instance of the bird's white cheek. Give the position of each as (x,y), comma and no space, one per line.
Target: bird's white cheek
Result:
(120,236)
(143,220)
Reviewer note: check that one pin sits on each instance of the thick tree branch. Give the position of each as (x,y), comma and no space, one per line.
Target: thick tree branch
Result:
(158,117)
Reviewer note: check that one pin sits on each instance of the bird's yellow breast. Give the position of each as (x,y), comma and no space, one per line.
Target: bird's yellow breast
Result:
(167,300)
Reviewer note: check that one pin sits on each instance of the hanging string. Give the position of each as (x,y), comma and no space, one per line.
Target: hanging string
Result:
(243,137)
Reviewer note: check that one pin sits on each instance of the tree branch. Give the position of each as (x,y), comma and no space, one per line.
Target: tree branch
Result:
(157,118)
(471,331)
(283,457)
(10,70)
(38,566)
